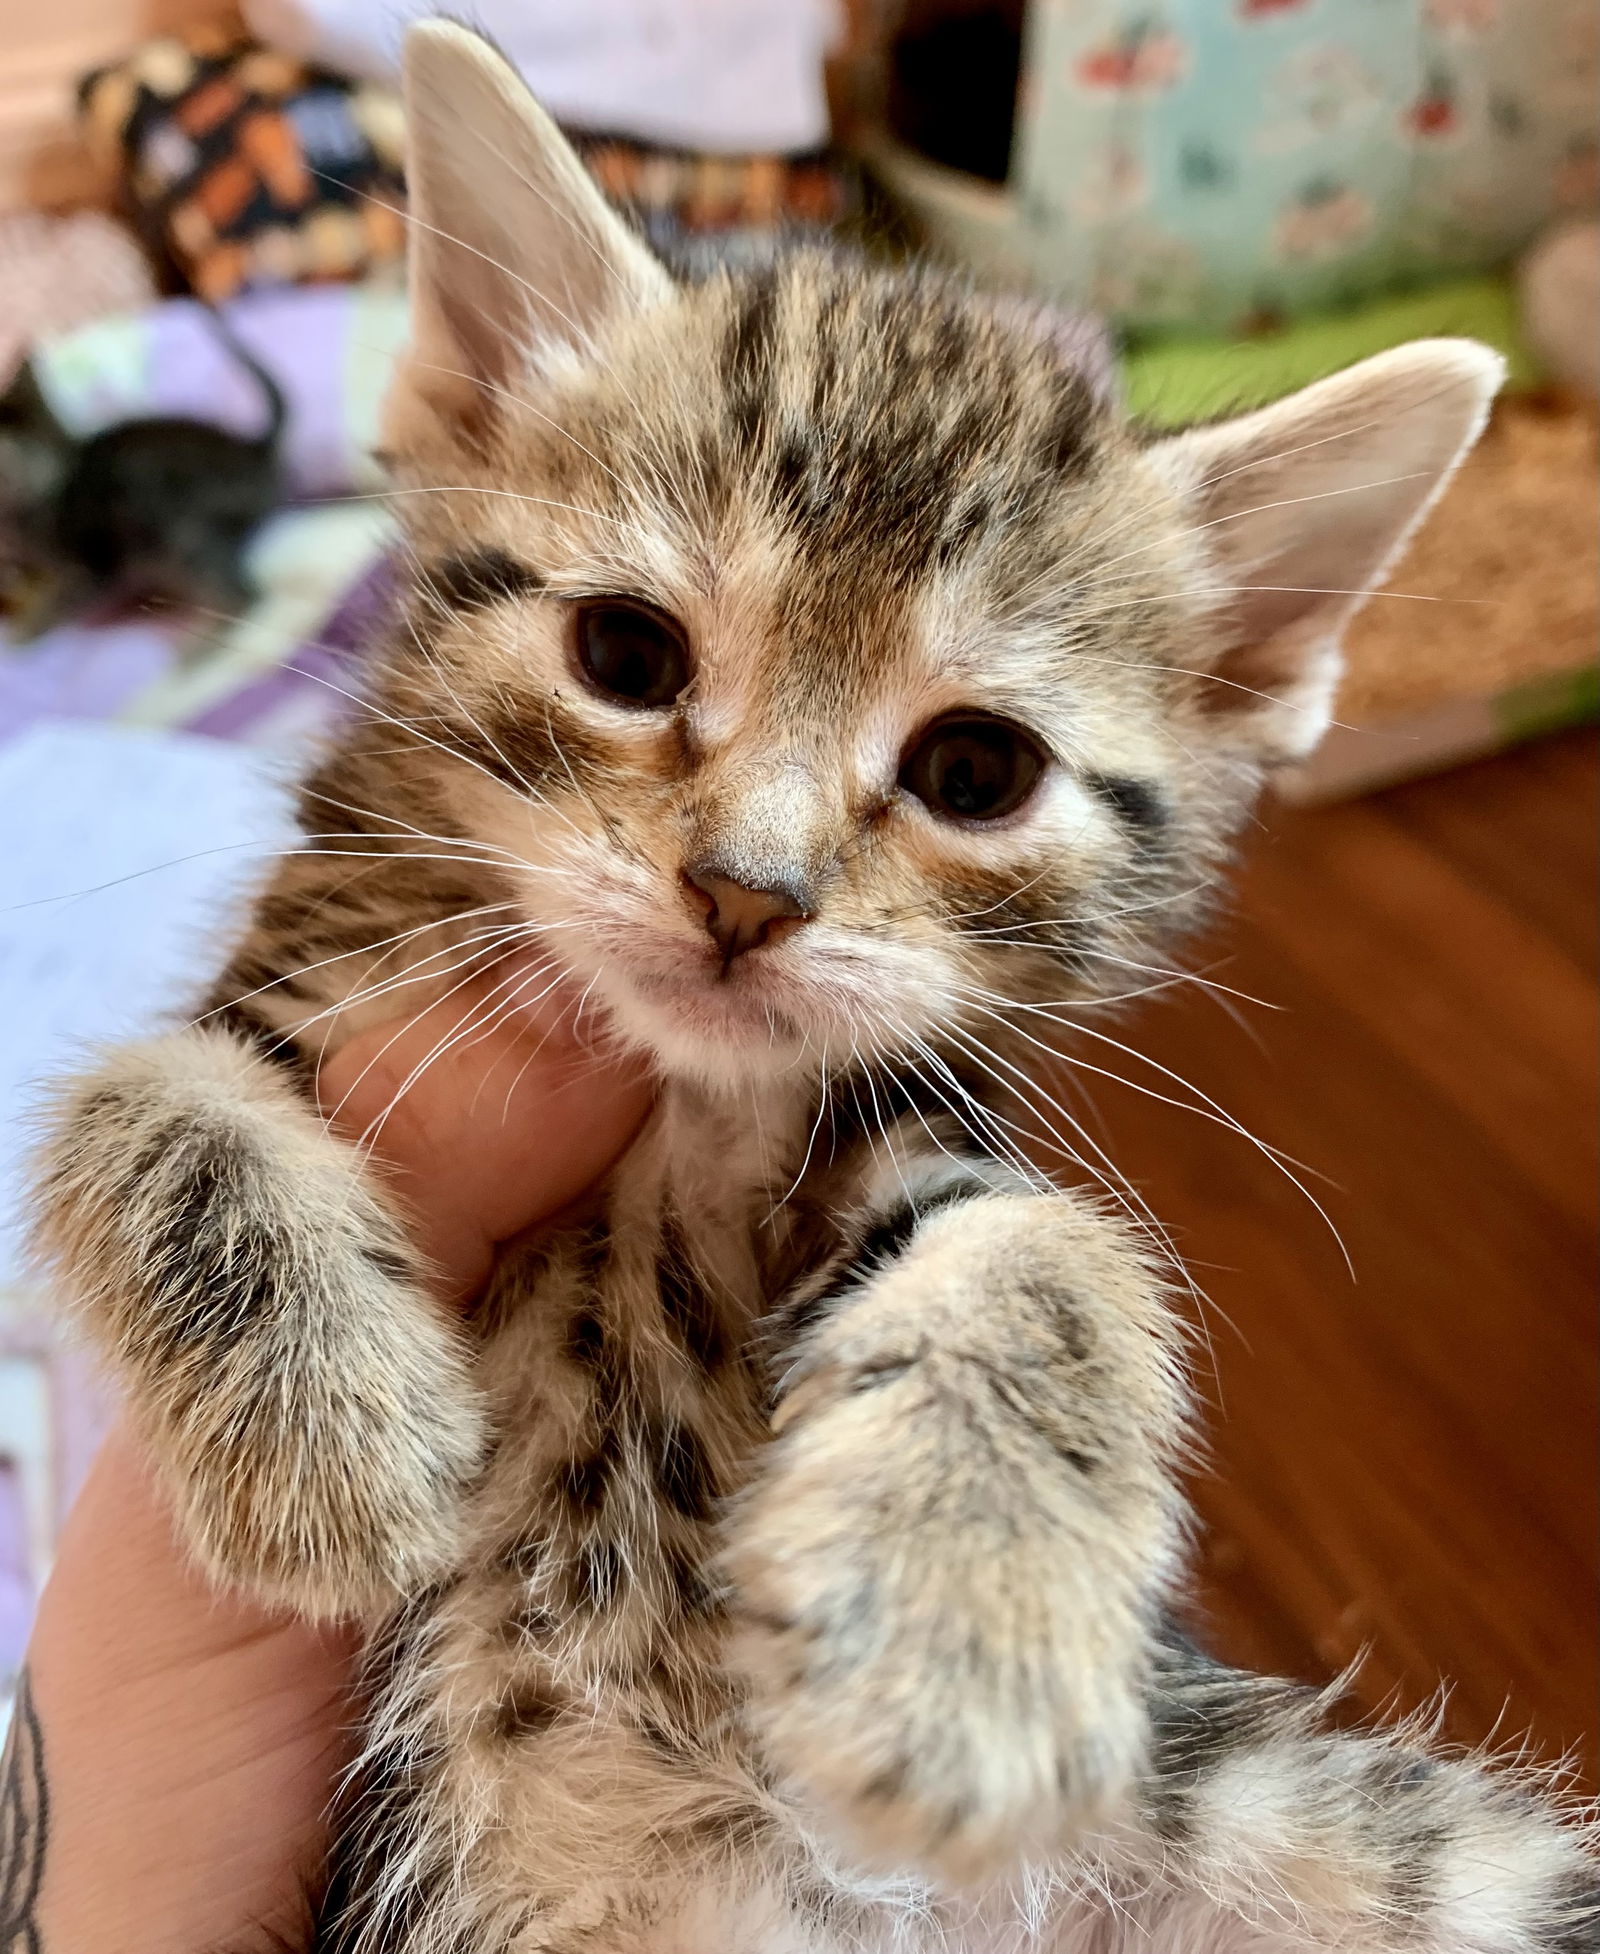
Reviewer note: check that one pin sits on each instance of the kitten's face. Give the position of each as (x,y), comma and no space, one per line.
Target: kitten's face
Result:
(829,666)
(826,688)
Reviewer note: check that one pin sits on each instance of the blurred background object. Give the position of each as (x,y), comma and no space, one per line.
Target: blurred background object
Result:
(61,272)
(1213,167)
(727,77)
(241,166)
(1251,194)
(1560,280)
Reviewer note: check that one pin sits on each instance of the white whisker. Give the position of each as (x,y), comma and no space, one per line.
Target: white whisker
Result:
(343,956)
(1207,1110)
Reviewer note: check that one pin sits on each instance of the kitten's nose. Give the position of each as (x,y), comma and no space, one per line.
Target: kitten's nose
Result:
(741,918)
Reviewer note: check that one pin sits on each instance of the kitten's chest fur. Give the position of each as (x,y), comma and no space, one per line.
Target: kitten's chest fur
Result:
(559,1704)
(627,1398)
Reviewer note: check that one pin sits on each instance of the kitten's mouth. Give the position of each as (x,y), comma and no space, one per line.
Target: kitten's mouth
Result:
(778,1008)
(725,996)
(698,1012)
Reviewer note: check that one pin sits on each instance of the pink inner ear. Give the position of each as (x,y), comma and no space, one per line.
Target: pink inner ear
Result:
(1079,339)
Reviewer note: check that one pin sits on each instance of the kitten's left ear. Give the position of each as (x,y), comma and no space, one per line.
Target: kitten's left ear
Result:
(511,241)
(1300,511)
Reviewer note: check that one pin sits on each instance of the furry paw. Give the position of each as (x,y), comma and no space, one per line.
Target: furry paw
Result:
(348,1497)
(941,1624)
(308,1405)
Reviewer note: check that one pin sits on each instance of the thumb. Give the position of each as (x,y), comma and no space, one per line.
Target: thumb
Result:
(484,1132)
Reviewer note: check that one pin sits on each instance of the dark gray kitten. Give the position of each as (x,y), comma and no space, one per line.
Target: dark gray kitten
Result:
(151,511)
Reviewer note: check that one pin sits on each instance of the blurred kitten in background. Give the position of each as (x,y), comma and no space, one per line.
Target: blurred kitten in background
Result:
(156,511)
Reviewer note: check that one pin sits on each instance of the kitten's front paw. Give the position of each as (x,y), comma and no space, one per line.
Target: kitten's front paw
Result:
(936,1623)
(349,1496)
(309,1406)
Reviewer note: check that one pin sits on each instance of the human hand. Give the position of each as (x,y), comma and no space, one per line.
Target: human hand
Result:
(174,1749)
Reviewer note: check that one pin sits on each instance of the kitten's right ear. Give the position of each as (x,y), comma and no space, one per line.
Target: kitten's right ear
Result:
(511,242)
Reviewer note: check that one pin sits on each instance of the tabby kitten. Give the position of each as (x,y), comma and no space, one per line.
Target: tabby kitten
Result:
(812,665)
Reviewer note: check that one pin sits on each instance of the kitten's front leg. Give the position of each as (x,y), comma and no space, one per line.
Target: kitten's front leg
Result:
(259,1304)
(951,1560)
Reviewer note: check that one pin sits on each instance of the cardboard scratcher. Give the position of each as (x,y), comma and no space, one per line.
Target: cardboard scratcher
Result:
(1507,643)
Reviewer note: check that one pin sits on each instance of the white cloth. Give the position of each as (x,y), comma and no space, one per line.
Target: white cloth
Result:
(719,75)
(129,855)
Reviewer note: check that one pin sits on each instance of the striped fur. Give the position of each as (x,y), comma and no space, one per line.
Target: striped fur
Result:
(788,1558)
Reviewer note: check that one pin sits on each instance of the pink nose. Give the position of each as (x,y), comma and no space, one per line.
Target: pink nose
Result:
(741,918)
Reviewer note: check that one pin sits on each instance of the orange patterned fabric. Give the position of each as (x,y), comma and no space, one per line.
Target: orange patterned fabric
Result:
(672,190)
(245,168)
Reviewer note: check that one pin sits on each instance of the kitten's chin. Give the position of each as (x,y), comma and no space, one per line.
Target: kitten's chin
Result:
(718,1034)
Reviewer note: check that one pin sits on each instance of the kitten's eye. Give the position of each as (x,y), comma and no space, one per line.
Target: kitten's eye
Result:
(972,769)
(631,654)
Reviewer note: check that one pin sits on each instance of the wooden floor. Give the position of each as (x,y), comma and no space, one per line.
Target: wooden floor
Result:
(1406,1463)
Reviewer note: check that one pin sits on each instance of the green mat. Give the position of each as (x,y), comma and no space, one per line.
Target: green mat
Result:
(1171,382)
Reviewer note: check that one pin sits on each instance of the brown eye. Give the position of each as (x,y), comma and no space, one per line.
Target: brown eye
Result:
(631,654)
(972,769)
